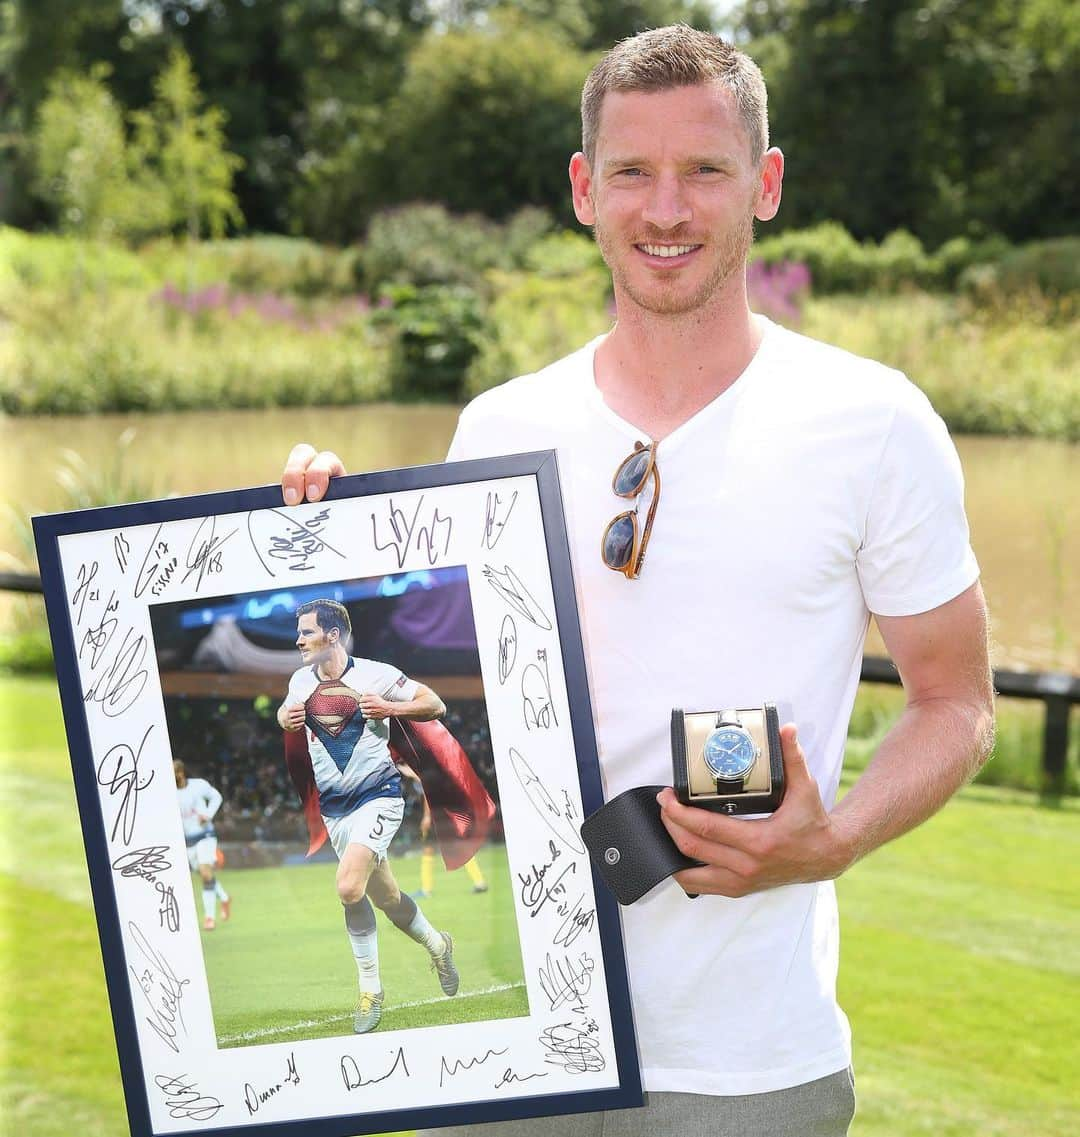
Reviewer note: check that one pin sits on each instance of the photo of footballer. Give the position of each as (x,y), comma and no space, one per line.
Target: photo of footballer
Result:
(341,738)
(344,705)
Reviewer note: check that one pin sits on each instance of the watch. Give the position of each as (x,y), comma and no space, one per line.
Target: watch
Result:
(730,753)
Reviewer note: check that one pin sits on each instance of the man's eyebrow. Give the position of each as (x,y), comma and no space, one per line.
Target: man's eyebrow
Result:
(719,161)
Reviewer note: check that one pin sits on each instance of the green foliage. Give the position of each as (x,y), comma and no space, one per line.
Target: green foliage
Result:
(130,351)
(486,120)
(1048,269)
(49,261)
(436,327)
(185,145)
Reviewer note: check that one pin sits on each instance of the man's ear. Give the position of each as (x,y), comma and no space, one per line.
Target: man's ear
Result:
(772,181)
(581,188)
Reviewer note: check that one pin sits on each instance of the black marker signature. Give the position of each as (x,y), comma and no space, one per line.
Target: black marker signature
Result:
(403,531)
(448,1070)
(540,893)
(295,543)
(98,637)
(169,912)
(204,552)
(573,1048)
(147,862)
(121,549)
(350,1072)
(536,694)
(184,1100)
(508,1076)
(507,647)
(532,882)
(118,771)
(566,980)
(494,523)
(255,1099)
(157,568)
(122,683)
(84,592)
(578,919)
(162,989)
(508,585)
(544,804)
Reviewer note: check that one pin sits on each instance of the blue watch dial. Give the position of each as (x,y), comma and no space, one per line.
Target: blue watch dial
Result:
(730,753)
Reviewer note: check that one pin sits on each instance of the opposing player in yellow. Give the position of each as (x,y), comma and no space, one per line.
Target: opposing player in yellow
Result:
(427,851)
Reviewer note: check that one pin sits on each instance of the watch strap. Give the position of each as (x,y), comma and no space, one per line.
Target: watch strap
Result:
(629,846)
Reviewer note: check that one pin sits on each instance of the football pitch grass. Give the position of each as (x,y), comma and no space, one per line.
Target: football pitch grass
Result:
(281,969)
(960,963)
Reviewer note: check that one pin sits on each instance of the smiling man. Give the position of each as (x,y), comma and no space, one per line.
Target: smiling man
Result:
(804,491)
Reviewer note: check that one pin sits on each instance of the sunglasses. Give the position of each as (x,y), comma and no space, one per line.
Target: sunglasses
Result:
(623,544)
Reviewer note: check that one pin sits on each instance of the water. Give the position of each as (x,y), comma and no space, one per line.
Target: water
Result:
(1023,495)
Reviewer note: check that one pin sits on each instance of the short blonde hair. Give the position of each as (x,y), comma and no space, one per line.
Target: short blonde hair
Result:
(677,56)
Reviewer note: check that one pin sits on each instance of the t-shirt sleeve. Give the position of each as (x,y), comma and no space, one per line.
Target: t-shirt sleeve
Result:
(399,687)
(915,553)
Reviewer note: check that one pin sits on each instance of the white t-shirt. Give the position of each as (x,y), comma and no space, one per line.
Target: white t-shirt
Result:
(198,799)
(349,753)
(819,487)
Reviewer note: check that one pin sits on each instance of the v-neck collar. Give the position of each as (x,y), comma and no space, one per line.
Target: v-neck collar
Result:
(724,401)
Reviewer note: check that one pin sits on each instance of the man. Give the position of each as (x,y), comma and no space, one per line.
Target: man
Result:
(344,704)
(199,802)
(803,490)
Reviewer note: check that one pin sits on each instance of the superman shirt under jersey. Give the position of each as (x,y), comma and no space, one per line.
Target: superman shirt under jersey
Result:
(350,754)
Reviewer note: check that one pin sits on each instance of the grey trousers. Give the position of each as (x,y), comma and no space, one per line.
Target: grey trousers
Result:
(822,1108)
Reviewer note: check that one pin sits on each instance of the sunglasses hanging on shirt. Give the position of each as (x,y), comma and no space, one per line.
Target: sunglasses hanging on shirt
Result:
(624,542)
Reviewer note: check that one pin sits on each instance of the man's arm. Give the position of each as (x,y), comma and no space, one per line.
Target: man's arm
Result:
(942,737)
(422,707)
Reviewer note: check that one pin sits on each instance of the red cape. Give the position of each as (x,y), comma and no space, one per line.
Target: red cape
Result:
(461,809)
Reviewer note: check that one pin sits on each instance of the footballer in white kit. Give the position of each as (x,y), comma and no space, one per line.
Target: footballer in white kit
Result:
(343,705)
(199,802)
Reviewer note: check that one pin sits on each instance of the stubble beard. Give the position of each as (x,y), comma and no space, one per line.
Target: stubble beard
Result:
(667,299)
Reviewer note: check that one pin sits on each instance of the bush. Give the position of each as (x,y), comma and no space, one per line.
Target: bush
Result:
(1042,269)
(64,264)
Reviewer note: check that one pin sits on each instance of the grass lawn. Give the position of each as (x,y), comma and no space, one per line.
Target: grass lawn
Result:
(960,972)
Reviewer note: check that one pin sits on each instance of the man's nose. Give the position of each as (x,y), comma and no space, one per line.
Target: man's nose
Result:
(667,205)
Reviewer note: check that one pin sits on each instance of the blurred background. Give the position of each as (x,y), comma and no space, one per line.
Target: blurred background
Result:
(230,225)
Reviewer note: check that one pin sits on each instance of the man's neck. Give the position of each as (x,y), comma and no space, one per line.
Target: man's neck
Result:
(658,371)
(333,667)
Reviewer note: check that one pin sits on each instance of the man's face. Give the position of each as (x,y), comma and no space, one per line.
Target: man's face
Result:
(672,194)
(314,642)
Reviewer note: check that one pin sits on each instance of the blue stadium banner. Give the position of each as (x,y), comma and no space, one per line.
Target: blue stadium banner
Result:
(331,764)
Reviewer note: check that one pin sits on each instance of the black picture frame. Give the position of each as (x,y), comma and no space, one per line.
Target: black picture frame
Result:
(106,572)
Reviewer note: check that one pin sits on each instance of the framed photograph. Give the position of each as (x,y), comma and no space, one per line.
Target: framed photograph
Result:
(331,763)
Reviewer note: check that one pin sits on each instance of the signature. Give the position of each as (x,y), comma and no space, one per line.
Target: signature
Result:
(508,585)
(535,893)
(123,682)
(494,521)
(578,919)
(255,1099)
(508,1077)
(158,567)
(574,1049)
(449,1070)
(350,1072)
(204,553)
(162,989)
(184,1100)
(145,862)
(296,543)
(507,647)
(403,531)
(121,550)
(169,912)
(98,637)
(118,771)
(544,804)
(566,980)
(536,694)
(84,592)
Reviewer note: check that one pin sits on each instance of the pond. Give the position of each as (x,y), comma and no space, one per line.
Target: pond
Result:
(1023,495)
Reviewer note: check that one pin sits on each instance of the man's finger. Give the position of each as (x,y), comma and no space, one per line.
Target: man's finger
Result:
(324,466)
(292,478)
(702,822)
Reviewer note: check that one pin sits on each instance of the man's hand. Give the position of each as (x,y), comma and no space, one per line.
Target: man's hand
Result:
(376,707)
(292,718)
(798,843)
(308,472)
